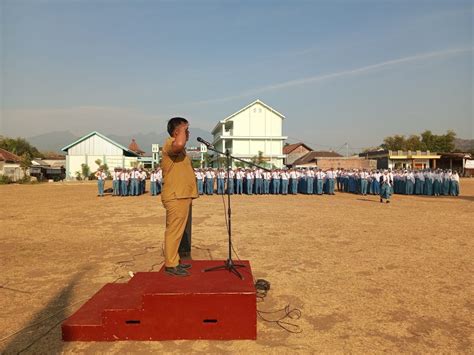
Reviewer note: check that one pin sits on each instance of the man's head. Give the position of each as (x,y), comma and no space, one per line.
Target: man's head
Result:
(176,122)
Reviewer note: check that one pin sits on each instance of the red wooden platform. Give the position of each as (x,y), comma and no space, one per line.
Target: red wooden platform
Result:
(156,306)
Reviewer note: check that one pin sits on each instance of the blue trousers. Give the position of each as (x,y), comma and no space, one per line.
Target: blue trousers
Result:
(294,186)
(116,187)
(153,188)
(210,186)
(409,187)
(230,186)
(200,186)
(284,187)
(124,188)
(310,186)
(239,186)
(249,186)
(331,186)
(220,186)
(363,186)
(276,186)
(100,186)
(134,187)
(158,187)
(385,191)
(454,188)
(428,187)
(445,187)
(375,187)
(319,184)
(266,187)
(258,186)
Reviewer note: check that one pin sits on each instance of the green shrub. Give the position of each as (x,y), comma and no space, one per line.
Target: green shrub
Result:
(5,180)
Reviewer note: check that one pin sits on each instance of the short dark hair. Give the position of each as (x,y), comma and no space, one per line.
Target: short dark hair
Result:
(175,122)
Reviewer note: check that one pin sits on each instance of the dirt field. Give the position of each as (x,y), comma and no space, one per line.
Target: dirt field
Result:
(367,277)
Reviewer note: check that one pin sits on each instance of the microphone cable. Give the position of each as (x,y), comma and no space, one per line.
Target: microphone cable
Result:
(280,316)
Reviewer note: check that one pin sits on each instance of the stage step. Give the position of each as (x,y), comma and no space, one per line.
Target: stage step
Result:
(156,306)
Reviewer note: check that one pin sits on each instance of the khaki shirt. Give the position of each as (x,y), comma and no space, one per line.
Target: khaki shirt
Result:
(179,180)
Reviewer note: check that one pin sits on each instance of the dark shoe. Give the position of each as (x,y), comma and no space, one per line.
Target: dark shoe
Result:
(381,201)
(388,201)
(185,266)
(176,271)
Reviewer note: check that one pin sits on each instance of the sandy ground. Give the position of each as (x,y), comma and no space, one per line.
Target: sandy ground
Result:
(367,277)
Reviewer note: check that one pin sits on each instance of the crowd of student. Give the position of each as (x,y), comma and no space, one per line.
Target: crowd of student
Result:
(130,182)
(311,181)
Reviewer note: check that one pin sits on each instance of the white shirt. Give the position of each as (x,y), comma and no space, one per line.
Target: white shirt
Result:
(100,175)
(386,179)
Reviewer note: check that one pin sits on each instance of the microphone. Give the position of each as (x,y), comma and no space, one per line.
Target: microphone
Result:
(206,143)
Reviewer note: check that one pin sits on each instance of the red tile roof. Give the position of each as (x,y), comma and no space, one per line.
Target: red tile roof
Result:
(9,157)
(133,146)
(313,156)
(287,149)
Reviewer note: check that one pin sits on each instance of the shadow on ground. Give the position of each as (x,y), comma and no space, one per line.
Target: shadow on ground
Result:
(46,323)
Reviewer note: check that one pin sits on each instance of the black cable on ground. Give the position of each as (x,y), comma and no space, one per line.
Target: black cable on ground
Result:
(122,263)
(262,287)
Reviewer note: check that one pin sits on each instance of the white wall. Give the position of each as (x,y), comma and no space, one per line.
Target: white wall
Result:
(257,121)
(95,145)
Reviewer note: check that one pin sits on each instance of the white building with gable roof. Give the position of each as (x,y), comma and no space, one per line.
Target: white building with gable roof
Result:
(93,146)
(255,128)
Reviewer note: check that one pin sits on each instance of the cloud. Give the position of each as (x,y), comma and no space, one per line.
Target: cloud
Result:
(80,120)
(339,74)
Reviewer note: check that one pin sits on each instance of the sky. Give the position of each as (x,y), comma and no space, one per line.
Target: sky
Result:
(341,71)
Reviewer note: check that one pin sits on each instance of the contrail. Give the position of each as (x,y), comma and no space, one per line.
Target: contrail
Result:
(317,78)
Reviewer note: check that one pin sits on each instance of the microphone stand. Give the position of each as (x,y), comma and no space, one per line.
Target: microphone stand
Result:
(229,263)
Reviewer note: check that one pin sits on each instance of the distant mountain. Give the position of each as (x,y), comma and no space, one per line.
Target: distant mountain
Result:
(54,141)
(464,145)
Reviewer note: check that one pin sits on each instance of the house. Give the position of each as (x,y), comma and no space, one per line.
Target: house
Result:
(10,165)
(295,151)
(398,159)
(95,146)
(327,159)
(133,146)
(253,129)
(453,161)
(469,168)
(48,169)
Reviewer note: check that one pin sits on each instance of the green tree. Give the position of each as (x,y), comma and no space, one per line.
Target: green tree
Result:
(396,142)
(19,146)
(25,162)
(443,143)
(413,143)
(85,171)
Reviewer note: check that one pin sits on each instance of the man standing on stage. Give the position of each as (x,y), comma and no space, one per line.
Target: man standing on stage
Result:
(179,189)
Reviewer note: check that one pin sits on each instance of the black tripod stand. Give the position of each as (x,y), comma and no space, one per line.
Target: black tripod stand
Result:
(229,263)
